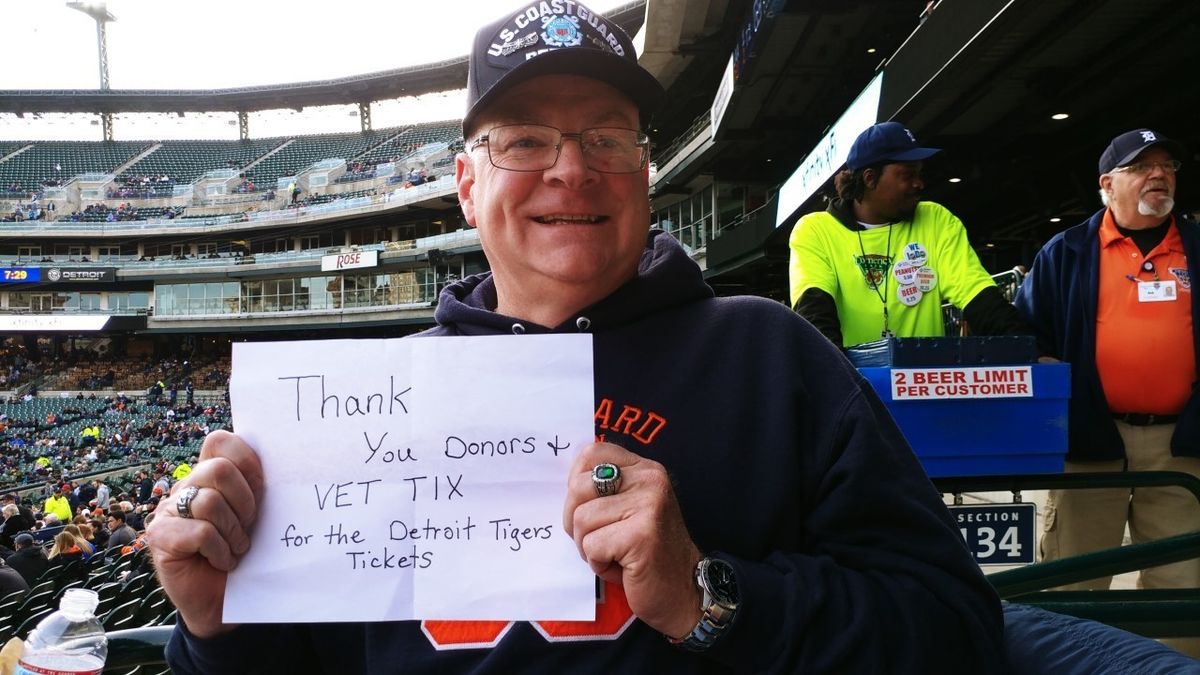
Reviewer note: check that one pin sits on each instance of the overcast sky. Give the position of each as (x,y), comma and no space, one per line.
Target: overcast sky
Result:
(175,44)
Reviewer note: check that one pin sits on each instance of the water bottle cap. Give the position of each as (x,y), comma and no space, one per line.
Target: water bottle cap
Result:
(80,601)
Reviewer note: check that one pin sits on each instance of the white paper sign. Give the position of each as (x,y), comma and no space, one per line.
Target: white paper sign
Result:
(413,479)
(916,384)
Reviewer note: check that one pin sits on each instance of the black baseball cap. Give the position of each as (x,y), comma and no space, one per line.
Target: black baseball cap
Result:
(886,142)
(1125,148)
(556,37)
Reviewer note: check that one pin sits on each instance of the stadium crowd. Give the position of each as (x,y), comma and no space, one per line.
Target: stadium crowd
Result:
(143,187)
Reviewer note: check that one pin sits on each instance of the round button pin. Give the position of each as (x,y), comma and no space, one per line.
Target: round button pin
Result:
(909,294)
(926,279)
(916,254)
(905,272)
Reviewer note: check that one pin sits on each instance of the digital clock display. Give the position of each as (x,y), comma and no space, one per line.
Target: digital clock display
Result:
(20,274)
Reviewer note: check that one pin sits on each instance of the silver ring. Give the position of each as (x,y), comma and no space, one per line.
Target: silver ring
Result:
(607,479)
(184,505)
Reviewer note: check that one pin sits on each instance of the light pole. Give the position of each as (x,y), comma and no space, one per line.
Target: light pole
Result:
(99,12)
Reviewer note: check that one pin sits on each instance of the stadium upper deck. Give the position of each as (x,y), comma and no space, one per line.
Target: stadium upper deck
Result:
(724,145)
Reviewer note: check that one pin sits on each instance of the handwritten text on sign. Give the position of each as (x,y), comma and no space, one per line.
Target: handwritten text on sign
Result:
(413,479)
(911,384)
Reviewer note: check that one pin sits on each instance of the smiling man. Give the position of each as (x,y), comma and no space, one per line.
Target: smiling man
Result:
(1114,296)
(749,506)
(881,262)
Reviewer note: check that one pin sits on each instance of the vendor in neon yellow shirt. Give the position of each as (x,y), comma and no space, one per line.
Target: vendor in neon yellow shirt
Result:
(881,262)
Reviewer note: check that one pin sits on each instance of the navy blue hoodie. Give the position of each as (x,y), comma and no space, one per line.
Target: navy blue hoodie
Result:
(784,463)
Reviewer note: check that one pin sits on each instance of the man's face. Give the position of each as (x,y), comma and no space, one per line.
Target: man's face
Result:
(1150,193)
(568,227)
(896,191)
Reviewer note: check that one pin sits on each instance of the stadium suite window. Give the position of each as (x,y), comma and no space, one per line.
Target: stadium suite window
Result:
(105,253)
(82,302)
(124,302)
(321,240)
(296,293)
(26,253)
(38,302)
(688,220)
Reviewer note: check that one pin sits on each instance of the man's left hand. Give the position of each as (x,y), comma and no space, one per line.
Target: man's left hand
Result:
(636,537)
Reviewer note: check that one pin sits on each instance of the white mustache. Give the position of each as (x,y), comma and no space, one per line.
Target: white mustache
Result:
(1160,185)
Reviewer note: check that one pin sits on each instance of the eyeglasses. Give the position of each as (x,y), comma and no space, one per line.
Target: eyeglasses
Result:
(1143,168)
(536,147)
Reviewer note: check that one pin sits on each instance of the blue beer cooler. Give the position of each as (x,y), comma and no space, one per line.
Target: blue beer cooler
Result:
(987,436)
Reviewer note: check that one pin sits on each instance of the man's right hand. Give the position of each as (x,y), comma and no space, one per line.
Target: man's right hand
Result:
(193,556)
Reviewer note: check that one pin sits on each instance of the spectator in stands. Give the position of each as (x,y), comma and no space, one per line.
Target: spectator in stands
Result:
(133,515)
(857,568)
(66,550)
(11,580)
(85,492)
(59,505)
(880,262)
(1115,297)
(28,560)
(14,524)
(72,498)
(100,531)
(142,542)
(145,486)
(120,533)
(102,493)
(25,513)
(162,483)
(86,548)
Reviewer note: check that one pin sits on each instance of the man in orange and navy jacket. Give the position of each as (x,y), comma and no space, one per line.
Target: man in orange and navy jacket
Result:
(1114,297)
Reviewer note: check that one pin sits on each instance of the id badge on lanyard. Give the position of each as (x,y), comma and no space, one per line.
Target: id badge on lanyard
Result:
(1157,291)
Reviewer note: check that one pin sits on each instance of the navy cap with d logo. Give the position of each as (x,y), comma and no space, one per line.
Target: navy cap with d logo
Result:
(1125,148)
(886,142)
(556,37)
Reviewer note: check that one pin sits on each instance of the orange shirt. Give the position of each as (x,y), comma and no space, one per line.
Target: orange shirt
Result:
(1144,350)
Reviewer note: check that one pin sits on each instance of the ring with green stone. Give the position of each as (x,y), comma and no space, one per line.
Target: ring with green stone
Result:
(607,479)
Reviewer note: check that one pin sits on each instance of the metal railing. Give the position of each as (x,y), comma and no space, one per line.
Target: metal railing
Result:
(1151,612)
(1008,282)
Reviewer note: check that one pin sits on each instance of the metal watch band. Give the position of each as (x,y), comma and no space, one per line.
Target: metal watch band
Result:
(714,620)
(705,634)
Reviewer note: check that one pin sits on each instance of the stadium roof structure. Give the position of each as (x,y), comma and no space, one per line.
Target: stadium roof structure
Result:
(384,85)
(388,84)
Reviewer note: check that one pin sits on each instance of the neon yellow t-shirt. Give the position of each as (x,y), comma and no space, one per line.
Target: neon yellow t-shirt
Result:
(930,262)
(59,506)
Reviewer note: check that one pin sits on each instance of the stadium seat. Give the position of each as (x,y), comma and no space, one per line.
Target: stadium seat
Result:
(36,165)
(30,621)
(185,161)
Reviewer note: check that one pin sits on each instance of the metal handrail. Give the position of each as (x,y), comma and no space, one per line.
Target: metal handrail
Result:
(1053,573)
(137,647)
(1158,613)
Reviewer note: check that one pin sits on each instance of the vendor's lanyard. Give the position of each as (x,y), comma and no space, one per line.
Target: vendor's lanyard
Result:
(886,333)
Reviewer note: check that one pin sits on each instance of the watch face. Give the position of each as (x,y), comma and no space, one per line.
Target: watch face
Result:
(719,578)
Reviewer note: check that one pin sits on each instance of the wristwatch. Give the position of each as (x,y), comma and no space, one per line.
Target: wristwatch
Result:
(719,603)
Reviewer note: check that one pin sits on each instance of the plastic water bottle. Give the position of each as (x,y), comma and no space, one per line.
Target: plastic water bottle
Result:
(70,641)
